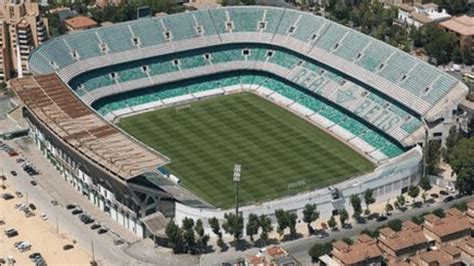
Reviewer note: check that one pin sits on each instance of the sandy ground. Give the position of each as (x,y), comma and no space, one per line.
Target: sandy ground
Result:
(40,234)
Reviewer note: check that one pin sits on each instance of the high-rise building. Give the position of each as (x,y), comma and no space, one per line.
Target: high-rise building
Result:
(21,30)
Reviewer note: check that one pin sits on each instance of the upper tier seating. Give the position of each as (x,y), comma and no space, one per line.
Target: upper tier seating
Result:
(418,80)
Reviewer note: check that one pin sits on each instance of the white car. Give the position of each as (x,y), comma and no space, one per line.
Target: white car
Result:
(44,216)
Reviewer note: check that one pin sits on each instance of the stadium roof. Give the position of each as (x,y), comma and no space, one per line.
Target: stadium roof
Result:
(51,101)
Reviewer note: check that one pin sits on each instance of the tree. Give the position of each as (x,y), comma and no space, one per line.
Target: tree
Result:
(266,227)
(310,215)
(461,160)
(175,236)
(413,191)
(388,208)
(188,234)
(418,219)
(467,56)
(439,212)
(214,223)
(356,205)
(369,197)
(291,220)
(343,216)
(234,225)
(282,221)
(332,222)
(433,157)
(253,224)
(317,250)
(400,202)
(395,225)
(202,237)
(456,55)
(425,183)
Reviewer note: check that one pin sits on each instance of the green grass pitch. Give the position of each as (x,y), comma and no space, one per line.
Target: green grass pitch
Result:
(280,153)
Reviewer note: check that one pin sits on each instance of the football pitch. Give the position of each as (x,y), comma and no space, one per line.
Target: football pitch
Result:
(280,153)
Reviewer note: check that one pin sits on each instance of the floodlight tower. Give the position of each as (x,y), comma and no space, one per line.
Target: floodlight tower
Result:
(236,179)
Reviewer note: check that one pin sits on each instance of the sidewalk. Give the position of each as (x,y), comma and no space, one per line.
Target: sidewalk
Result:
(63,192)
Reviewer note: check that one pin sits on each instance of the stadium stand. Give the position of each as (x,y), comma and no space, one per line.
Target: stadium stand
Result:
(378,94)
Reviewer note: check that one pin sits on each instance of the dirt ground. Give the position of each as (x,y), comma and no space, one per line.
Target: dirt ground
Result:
(42,236)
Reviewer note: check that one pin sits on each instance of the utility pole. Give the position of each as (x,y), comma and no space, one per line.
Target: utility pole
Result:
(57,225)
(236,178)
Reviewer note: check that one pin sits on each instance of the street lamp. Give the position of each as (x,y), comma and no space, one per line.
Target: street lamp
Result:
(236,179)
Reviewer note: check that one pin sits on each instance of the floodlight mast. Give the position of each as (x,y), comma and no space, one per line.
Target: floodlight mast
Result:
(236,179)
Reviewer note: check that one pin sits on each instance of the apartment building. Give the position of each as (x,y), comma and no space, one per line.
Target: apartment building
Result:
(400,245)
(363,252)
(463,28)
(455,226)
(21,30)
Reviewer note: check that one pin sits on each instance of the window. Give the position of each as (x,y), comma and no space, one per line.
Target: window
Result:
(438,134)
(135,41)
(103,47)
(381,66)
(113,75)
(199,30)
(342,82)
(176,62)
(313,37)
(245,52)
(291,29)
(337,45)
(321,72)
(269,53)
(74,54)
(404,77)
(359,55)
(145,68)
(300,63)
(207,56)
(229,25)
(167,35)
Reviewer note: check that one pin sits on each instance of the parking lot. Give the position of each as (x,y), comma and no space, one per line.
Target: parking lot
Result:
(35,235)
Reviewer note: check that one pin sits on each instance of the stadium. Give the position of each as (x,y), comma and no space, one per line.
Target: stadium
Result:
(147,118)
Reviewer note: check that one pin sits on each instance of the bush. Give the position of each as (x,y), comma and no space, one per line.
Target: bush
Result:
(395,225)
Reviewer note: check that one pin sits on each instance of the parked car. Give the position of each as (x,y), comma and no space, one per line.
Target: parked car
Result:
(68,247)
(19,194)
(11,232)
(118,241)
(448,199)
(381,218)
(443,192)
(70,206)
(434,195)
(34,255)
(32,206)
(44,217)
(76,211)
(33,182)
(14,173)
(102,231)
(95,226)
(7,196)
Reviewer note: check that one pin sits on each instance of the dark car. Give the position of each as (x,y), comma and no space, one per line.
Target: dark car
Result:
(12,233)
(76,211)
(448,199)
(381,218)
(70,206)
(68,247)
(34,255)
(14,173)
(95,226)
(8,196)
(434,195)
(32,206)
(102,231)
(33,182)
(443,192)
